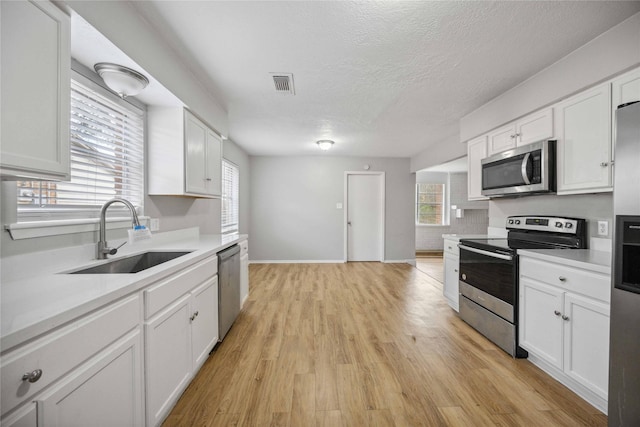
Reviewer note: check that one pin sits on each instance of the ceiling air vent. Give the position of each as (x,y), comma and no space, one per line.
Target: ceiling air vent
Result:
(283,83)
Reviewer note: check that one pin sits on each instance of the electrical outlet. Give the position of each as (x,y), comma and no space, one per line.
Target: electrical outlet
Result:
(154,224)
(603,228)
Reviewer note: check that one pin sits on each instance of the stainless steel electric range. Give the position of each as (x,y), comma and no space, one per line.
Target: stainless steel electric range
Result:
(489,273)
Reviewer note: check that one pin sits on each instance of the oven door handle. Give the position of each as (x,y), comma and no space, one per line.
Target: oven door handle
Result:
(487,253)
(523,169)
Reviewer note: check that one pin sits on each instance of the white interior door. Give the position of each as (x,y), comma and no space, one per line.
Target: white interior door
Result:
(365,217)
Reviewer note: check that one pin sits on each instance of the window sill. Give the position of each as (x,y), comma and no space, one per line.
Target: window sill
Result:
(34,229)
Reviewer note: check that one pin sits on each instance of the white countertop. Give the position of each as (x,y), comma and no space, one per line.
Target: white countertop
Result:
(33,305)
(457,237)
(588,259)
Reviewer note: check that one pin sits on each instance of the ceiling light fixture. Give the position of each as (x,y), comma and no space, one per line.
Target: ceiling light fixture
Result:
(120,79)
(324,144)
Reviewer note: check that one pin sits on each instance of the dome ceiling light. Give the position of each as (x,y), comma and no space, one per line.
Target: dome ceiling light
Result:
(120,79)
(325,144)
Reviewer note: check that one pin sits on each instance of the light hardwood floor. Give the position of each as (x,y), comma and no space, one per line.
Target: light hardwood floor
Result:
(365,344)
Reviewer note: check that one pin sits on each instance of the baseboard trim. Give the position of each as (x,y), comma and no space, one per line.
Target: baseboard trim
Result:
(297,261)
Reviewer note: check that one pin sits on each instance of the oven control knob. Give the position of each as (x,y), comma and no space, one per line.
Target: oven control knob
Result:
(568,225)
(464,276)
(559,224)
(510,221)
(517,221)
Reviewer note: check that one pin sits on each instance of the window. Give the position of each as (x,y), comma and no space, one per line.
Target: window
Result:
(430,204)
(230,197)
(107,160)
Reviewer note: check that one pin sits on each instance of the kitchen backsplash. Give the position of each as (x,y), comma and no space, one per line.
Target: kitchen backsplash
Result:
(592,207)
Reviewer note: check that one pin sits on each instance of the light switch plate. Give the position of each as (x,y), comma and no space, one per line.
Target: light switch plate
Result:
(338,205)
(154,224)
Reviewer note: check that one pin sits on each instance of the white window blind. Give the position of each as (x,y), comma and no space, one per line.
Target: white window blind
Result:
(230,197)
(107,161)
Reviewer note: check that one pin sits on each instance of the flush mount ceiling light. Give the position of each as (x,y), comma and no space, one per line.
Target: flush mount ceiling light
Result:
(324,144)
(120,79)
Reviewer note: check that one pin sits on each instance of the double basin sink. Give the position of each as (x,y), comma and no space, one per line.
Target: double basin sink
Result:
(132,264)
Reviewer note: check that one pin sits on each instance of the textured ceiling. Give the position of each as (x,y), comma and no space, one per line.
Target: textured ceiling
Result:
(380,78)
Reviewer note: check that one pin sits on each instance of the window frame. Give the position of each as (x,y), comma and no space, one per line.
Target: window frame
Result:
(82,213)
(445,204)
(229,227)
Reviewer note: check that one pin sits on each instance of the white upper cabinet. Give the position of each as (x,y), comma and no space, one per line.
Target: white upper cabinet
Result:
(624,89)
(35,85)
(476,151)
(535,127)
(532,128)
(185,155)
(583,131)
(501,139)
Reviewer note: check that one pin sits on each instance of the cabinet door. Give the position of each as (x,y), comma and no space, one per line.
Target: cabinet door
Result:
(214,164)
(501,139)
(195,141)
(624,89)
(23,417)
(35,90)
(450,290)
(204,326)
(476,151)
(106,391)
(168,361)
(244,278)
(583,130)
(586,336)
(540,327)
(535,127)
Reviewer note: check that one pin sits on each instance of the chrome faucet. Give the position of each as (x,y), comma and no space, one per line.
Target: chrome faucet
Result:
(103,249)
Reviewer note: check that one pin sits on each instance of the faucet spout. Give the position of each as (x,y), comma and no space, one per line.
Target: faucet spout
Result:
(103,249)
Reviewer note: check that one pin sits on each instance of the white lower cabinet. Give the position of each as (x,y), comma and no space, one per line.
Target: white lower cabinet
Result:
(564,325)
(113,378)
(96,358)
(244,271)
(179,336)
(451,265)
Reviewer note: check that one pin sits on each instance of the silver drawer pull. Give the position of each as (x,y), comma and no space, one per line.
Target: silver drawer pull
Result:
(556,312)
(565,317)
(562,279)
(32,376)
(456,270)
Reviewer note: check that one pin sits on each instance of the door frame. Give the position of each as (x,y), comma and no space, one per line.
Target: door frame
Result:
(381,207)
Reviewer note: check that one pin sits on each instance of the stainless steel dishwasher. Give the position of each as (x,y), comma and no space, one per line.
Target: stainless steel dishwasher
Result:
(228,288)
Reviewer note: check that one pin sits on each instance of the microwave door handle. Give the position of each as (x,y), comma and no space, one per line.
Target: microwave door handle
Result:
(523,169)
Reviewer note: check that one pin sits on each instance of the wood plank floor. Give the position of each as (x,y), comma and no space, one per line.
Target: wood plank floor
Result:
(365,344)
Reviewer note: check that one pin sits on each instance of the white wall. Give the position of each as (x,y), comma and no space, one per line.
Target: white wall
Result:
(475,221)
(293,207)
(438,153)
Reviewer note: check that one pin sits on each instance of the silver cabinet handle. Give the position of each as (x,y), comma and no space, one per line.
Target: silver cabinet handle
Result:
(348,222)
(207,179)
(193,317)
(512,136)
(556,312)
(562,279)
(565,317)
(604,164)
(449,247)
(32,376)
(456,270)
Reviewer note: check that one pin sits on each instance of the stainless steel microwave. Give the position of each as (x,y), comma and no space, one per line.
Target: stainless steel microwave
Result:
(523,170)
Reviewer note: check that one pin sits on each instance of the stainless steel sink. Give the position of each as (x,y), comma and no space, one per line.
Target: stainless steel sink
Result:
(132,264)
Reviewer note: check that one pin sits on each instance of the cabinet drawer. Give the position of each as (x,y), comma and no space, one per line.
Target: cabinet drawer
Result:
(172,288)
(451,247)
(60,351)
(244,247)
(584,282)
